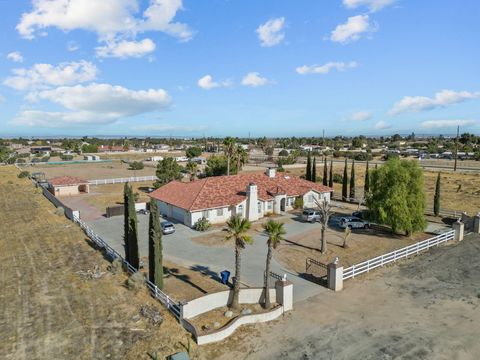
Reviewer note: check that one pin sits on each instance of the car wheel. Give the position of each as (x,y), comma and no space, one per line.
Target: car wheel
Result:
(366,226)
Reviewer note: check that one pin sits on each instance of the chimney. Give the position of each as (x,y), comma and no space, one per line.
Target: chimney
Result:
(271,172)
(252,202)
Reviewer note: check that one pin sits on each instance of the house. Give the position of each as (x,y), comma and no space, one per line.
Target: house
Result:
(44,150)
(68,185)
(109,148)
(200,160)
(251,195)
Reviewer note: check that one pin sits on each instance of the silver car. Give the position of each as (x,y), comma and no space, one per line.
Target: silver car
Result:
(353,222)
(167,227)
(310,215)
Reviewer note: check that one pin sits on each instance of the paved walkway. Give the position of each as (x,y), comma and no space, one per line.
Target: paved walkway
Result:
(180,249)
(87,212)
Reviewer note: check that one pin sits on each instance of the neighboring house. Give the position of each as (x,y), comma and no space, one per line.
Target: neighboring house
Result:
(91,157)
(108,148)
(67,185)
(41,150)
(250,195)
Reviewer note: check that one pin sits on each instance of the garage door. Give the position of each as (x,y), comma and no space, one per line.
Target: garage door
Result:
(178,214)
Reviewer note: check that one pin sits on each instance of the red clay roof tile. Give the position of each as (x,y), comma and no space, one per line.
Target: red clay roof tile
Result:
(66,180)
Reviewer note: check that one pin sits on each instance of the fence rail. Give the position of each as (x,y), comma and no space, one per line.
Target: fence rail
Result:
(310,261)
(166,300)
(122,180)
(382,260)
(277,276)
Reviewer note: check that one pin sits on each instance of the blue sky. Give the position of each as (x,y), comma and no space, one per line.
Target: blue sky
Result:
(234,67)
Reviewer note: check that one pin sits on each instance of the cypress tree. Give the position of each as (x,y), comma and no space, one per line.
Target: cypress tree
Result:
(330,180)
(125,221)
(436,198)
(155,257)
(325,172)
(345,182)
(366,186)
(314,170)
(308,175)
(352,181)
(132,231)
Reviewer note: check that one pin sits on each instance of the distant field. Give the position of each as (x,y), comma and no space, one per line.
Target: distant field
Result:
(47,311)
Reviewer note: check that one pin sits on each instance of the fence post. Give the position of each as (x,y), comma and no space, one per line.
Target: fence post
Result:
(335,276)
(476,224)
(458,226)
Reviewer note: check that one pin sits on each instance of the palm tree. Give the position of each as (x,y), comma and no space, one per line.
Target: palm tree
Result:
(229,150)
(192,169)
(325,212)
(237,230)
(275,232)
(241,156)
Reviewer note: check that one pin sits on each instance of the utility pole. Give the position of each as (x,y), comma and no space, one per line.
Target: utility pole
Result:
(456,149)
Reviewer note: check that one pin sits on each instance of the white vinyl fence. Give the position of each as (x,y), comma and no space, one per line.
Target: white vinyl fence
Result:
(112,254)
(122,180)
(382,260)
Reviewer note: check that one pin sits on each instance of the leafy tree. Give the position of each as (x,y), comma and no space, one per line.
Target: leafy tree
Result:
(217,166)
(155,257)
(366,186)
(237,229)
(193,151)
(89,148)
(167,170)
(132,231)
(192,167)
(352,181)
(268,151)
(397,196)
(229,150)
(314,169)
(345,181)
(436,197)
(275,233)
(136,165)
(283,152)
(330,180)
(325,172)
(308,174)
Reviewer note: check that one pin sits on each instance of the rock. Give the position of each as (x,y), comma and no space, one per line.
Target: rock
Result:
(135,318)
(246,311)
(206,327)
(228,314)
(216,325)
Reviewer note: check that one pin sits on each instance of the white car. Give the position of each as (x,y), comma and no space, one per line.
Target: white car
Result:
(310,215)
(167,227)
(353,223)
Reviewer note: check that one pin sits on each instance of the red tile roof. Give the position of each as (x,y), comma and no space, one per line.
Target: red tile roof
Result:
(223,191)
(66,180)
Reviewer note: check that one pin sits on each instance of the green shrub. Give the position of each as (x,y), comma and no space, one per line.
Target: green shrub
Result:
(65,157)
(202,224)
(298,204)
(21,161)
(337,178)
(24,174)
(136,165)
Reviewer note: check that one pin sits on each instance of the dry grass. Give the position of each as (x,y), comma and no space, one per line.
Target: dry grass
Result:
(465,199)
(47,310)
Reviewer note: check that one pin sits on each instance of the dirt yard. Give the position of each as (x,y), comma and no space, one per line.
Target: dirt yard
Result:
(49,311)
(460,190)
(423,308)
(91,171)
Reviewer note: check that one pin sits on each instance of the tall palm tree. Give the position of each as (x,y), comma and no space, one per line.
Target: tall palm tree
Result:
(275,232)
(241,156)
(192,169)
(237,230)
(229,149)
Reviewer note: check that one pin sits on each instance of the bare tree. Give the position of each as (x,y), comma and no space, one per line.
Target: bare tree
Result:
(325,212)
(346,236)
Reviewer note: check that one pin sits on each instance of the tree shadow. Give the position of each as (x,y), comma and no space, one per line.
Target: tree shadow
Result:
(185,278)
(205,270)
(293,243)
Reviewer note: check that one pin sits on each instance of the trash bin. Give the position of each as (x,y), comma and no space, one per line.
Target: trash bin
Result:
(224,275)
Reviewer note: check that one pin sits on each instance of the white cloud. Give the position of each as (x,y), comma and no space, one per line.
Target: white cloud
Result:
(15,56)
(325,68)
(361,116)
(124,49)
(440,124)
(270,33)
(72,46)
(41,76)
(382,125)
(207,83)
(112,20)
(352,29)
(93,104)
(169,127)
(254,79)
(423,103)
(373,5)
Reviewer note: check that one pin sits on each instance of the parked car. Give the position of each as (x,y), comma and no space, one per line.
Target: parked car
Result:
(143,212)
(167,227)
(310,215)
(353,223)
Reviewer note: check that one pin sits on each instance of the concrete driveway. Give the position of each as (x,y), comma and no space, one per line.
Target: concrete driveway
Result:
(179,248)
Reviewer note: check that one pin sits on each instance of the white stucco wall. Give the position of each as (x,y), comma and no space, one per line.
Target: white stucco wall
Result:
(316,195)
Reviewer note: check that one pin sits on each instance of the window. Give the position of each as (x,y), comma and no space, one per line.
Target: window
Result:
(259,207)
(219,212)
(270,205)
(205,214)
(310,198)
(240,210)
